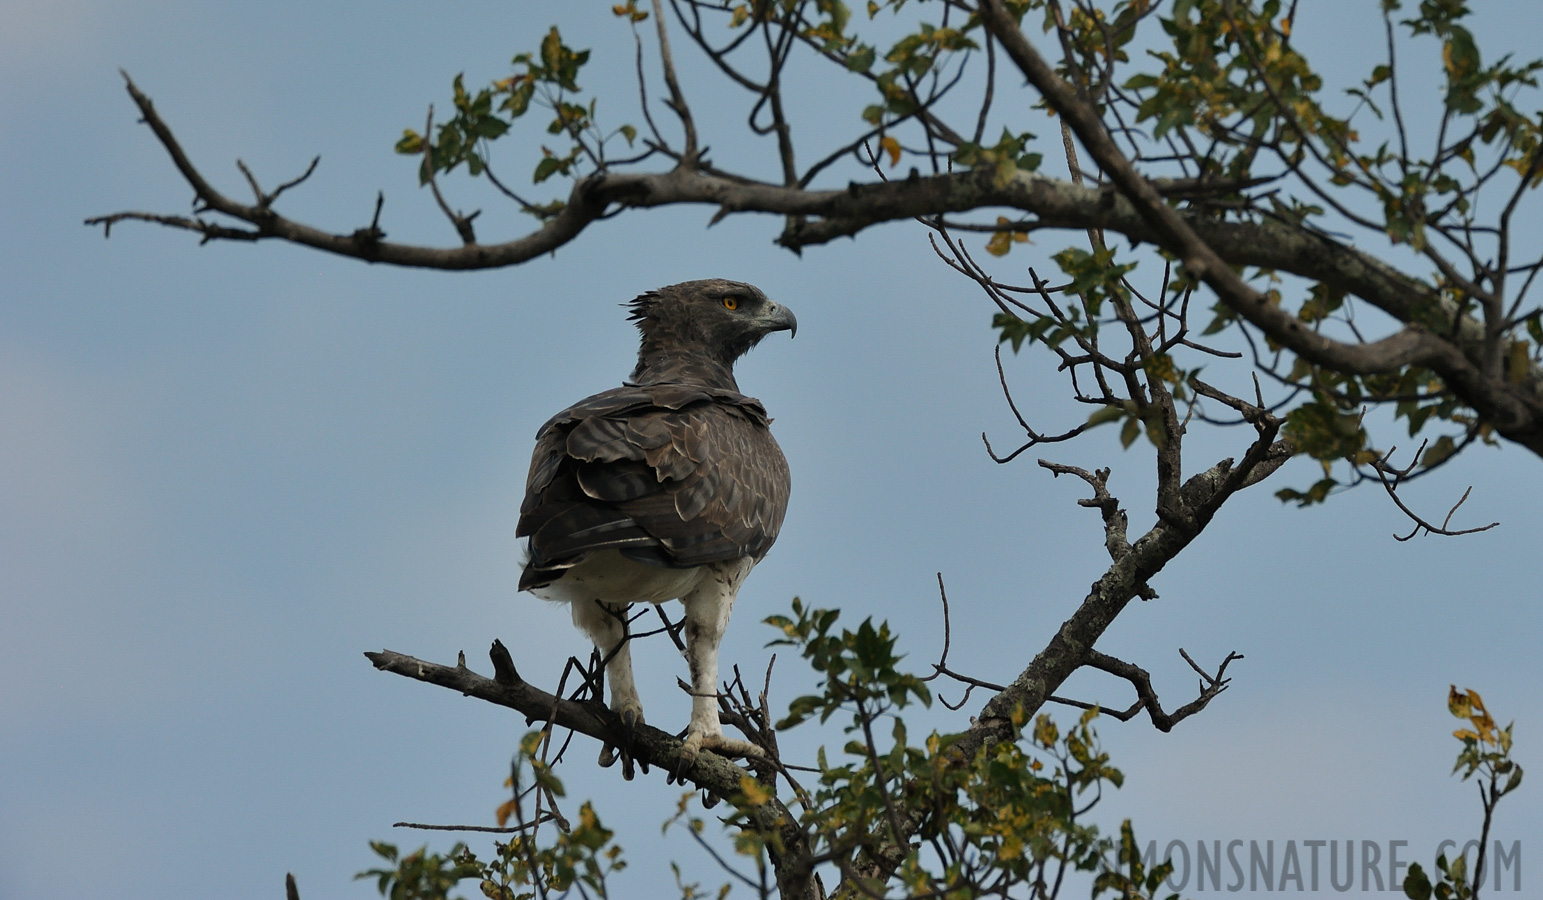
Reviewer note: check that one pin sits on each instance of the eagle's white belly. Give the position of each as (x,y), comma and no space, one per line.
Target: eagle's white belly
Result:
(609,577)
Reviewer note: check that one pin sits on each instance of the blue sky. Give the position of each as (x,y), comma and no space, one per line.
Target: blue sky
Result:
(226,471)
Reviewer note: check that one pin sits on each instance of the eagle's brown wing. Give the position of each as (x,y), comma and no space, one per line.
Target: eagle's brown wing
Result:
(670,474)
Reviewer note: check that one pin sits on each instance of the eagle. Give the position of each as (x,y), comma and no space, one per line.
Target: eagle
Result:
(668,487)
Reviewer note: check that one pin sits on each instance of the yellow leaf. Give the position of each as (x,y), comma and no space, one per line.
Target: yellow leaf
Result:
(1045,732)
(505,811)
(889,145)
(1002,241)
(1012,846)
(755,793)
(1160,366)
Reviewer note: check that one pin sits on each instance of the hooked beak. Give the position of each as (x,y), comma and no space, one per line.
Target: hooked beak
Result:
(780,318)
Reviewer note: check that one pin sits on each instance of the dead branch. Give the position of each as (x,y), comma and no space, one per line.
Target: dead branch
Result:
(1383,470)
(710,772)
(488,829)
(1210,687)
(940,668)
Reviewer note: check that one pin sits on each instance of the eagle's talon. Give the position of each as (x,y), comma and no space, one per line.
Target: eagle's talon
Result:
(697,741)
(631,718)
(689,751)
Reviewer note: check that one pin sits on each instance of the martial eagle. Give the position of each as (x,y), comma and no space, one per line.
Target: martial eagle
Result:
(668,487)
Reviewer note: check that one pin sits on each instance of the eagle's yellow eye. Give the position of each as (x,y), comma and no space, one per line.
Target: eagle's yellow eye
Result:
(731,302)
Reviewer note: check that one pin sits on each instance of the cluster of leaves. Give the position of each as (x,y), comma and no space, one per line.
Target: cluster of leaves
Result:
(545,79)
(1010,813)
(901,75)
(1097,281)
(859,667)
(581,857)
(1486,748)
(1005,159)
(1487,753)
(1232,75)
(1134,881)
(1234,80)
(896,74)
(912,58)
(421,875)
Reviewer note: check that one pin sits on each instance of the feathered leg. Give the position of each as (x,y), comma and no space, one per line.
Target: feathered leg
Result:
(707,616)
(606,626)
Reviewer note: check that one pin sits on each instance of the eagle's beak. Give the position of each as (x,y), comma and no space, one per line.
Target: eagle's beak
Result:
(780,318)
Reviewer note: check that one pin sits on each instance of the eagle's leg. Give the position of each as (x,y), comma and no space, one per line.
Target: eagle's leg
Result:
(707,615)
(606,625)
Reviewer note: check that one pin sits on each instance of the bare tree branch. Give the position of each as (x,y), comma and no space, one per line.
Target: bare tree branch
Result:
(1390,485)
(1210,687)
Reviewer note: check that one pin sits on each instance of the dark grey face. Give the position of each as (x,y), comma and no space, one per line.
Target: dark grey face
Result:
(718,317)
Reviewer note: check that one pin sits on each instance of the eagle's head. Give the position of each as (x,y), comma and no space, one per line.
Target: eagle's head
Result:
(712,321)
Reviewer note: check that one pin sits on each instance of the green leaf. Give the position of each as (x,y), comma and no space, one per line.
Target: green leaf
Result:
(1315,494)
(412,144)
(1130,432)
(1439,451)
(1105,414)
(861,59)
(549,166)
(491,127)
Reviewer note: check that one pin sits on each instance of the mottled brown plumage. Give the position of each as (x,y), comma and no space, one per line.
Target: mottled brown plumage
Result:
(668,474)
(670,486)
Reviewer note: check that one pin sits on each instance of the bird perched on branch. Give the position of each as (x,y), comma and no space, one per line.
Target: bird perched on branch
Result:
(668,487)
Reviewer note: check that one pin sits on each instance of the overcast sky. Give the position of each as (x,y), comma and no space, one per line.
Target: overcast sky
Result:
(226,471)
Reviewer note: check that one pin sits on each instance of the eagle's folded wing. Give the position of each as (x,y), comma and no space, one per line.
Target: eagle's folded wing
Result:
(673,475)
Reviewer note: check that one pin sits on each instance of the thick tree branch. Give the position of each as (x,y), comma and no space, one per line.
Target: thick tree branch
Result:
(1435,335)
(1072,646)
(837,213)
(648,745)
